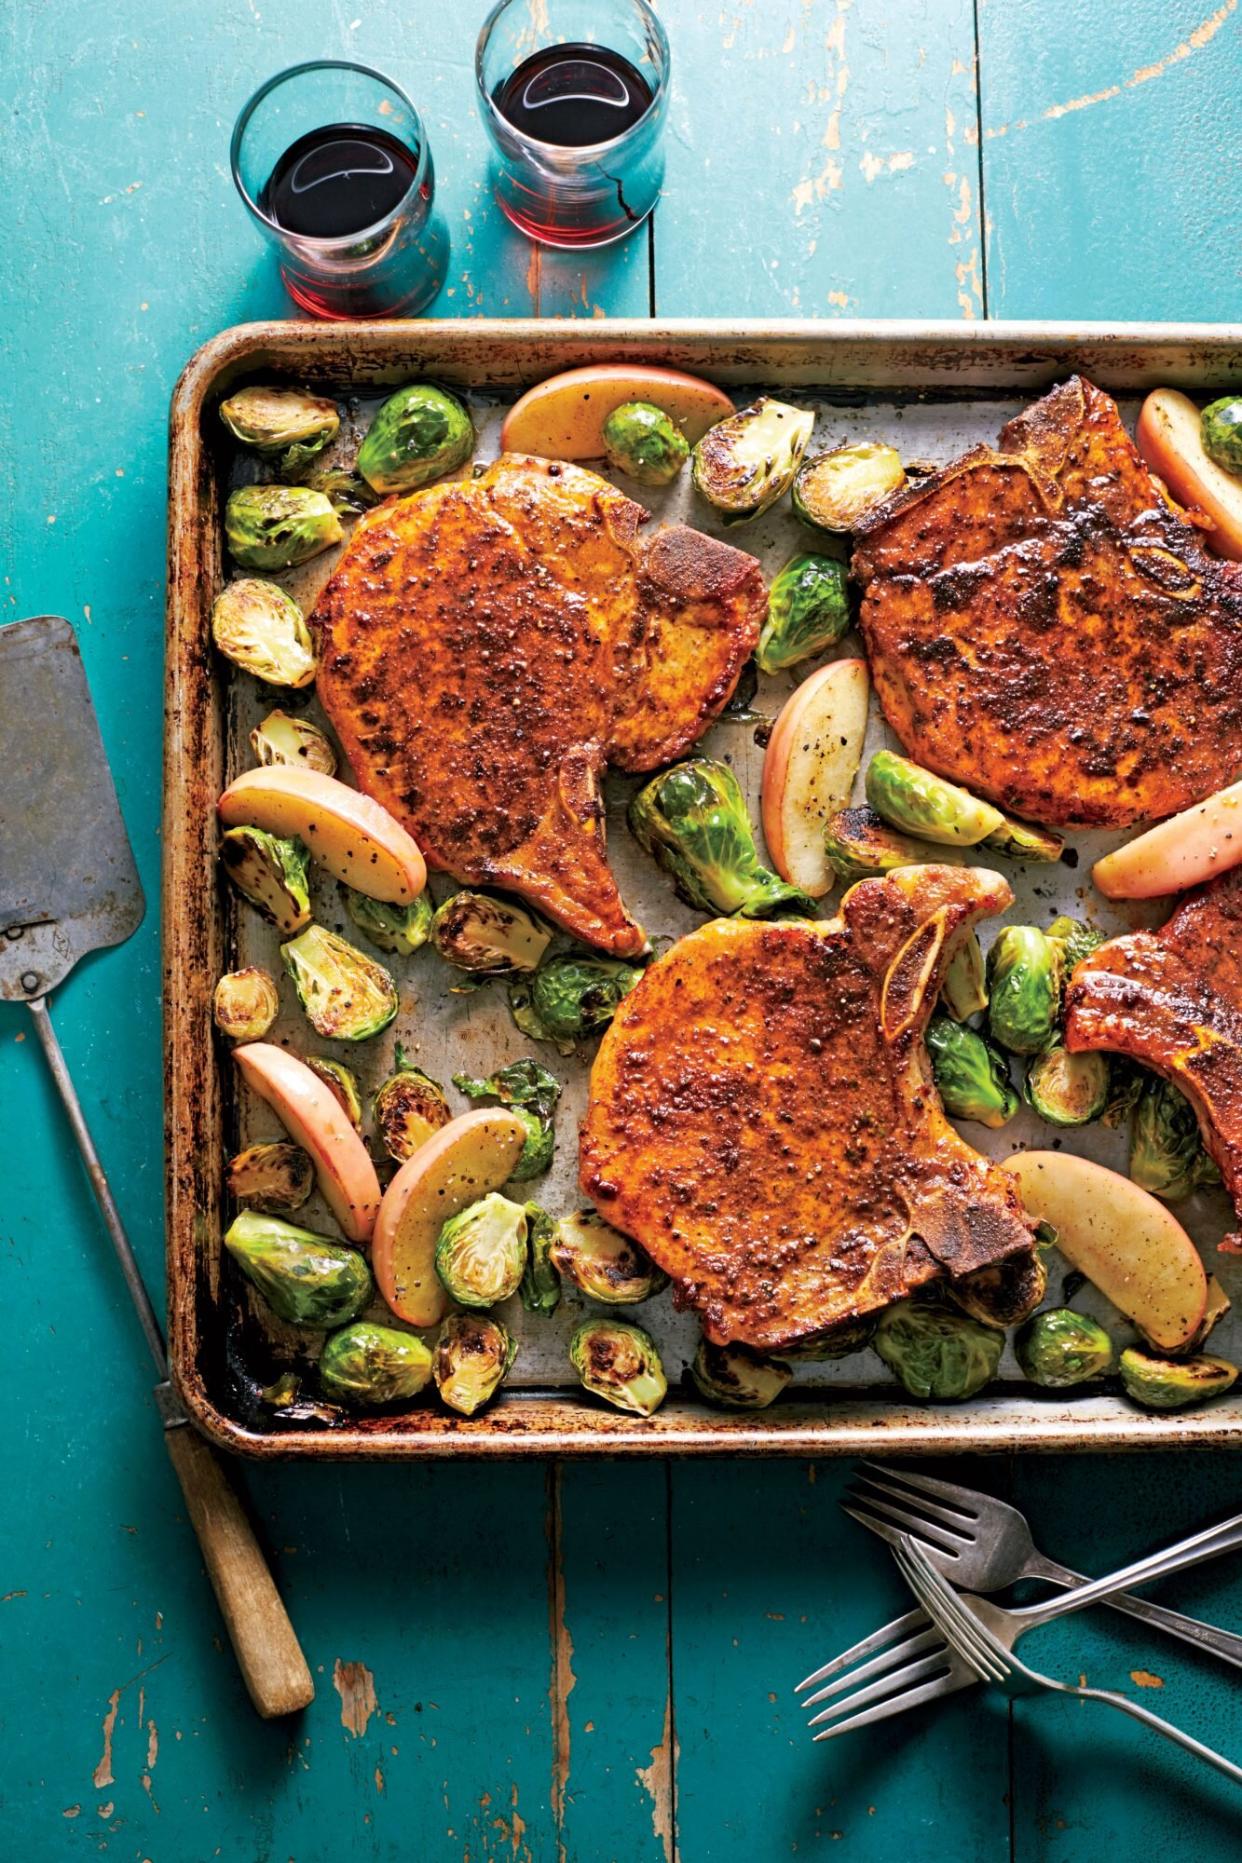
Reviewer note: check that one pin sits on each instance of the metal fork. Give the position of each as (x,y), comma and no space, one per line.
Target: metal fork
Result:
(983,1635)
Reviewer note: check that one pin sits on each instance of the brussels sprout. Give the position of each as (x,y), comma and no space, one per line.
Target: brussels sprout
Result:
(808,610)
(271,874)
(1023,841)
(1125,1083)
(283,425)
(346,996)
(370,1364)
(860,843)
(284,1396)
(418,435)
(408,1108)
(835,491)
(641,441)
(481,1253)
(273,1178)
(348,494)
(1024,989)
(971,1075)
(964,992)
(1061,1347)
(528,1090)
(747,461)
(541,1285)
(570,996)
(1076,939)
(294,741)
(839,1341)
(937,1352)
(1067,1089)
(694,820)
(736,1377)
(262,630)
(912,799)
(488,936)
(472,1356)
(619,1363)
(245,1004)
(276,526)
(1220,428)
(342,1084)
(399,929)
(1171,1384)
(1003,1294)
(603,1263)
(1166,1150)
(303,1277)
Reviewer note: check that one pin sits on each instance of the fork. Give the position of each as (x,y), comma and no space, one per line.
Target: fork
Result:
(983,1635)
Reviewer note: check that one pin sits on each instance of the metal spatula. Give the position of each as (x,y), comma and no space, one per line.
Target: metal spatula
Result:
(68,885)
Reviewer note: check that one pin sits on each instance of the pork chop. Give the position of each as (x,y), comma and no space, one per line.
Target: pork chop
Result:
(490,644)
(1045,627)
(762,1116)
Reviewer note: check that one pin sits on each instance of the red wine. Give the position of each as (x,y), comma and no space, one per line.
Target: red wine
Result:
(338,180)
(574,95)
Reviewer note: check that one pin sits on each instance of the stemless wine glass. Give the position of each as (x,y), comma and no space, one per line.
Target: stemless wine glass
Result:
(332,160)
(559,172)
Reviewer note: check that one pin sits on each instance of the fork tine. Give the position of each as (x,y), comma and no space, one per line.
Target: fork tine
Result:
(944,1490)
(937,1661)
(924,1508)
(897,1704)
(937,1536)
(959,1625)
(923,1639)
(900,1626)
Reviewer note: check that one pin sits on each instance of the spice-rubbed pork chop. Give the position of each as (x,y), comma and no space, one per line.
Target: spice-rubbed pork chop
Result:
(490,644)
(762,1117)
(1044,627)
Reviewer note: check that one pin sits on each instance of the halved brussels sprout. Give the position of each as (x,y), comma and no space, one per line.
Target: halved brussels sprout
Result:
(937,1352)
(1023,841)
(1061,1348)
(1067,1089)
(747,461)
(693,819)
(274,1178)
(1076,939)
(245,1004)
(541,1285)
(619,1363)
(1220,429)
(964,992)
(1172,1384)
(261,629)
(488,936)
(1024,988)
(293,741)
(481,1252)
(736,1377)
(418,435)
(835,491)
(914,800)
(408,1108)
(303,1277)
(348,493)
(859,843)
(808,610)
(370,1364)
(271,873)
(1166,1150)
(641,441)
(839,1341)
(346,996)
(472,1356)
(284,1396)
(603,1263)
(342,1084)
(529,1091)
(277,526)
(569,996)
(1003,1294)
(971,1074)
(282,424)
(398,929)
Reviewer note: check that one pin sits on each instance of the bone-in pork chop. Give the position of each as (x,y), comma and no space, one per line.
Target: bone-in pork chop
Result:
(762,1117)
(490,644)
(1044,627)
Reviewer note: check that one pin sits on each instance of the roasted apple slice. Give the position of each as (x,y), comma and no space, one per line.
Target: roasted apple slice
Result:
(313,1117)
(1169,439)
(563,418)
(355,838)
(1184,851)
(809,769)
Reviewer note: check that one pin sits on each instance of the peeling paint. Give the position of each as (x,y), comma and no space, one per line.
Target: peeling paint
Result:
(355,1685)
(659,1779)
(102,1774)
(1143,1678)
(563,1678)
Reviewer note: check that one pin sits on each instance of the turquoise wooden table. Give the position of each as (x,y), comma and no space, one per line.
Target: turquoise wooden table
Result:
(594,1662)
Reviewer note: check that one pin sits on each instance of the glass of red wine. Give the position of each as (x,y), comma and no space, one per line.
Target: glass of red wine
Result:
(573,95)
(332,161)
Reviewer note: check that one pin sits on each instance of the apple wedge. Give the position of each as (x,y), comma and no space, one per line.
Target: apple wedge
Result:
(563,418)
(315,1119)
(1184,851)
(809,768)
(1169,440)
(463,1161)
(355,838)
(1127,1244)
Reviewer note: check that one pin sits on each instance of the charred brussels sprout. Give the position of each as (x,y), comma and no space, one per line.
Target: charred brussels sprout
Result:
(293,741)
(418,435)
(1003,1294)
(971,1075)
(746,462)
(271,874)
(541,1285)
(1172,1384)
(1067,1089)
(861,843)
(1166,1150)
(569,997)
(398,929)
(1023,841)
(839,1341)
(603,1263)
(1220,428)
(1125,1083)
(487,936)
(641,441)
(619,1363)
(964,992)
(284,425)
(736,1377)
(346,996)
(1024,989)
(245,1004)
(528,1090)
(342,1084)
(481,1253)
(274,1178)
(370,1364)
(693,819)
(912,799)
(261,629)
(276,526)
(1060,1348)
(303,1277)
(348,494)
(472,1356)
(808,610)
(835,491)
(936,1352)
(408,1108)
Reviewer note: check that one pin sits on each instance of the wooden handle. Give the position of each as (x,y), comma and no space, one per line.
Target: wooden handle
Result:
(267,1648)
